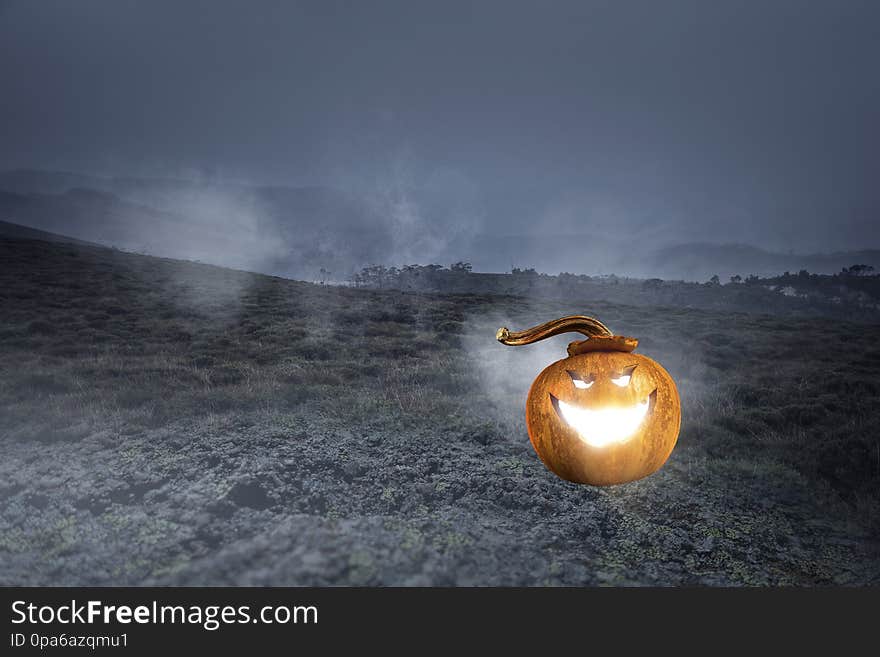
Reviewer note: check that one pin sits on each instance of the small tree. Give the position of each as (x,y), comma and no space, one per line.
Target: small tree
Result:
(858,270)
(715,280)
(736,279)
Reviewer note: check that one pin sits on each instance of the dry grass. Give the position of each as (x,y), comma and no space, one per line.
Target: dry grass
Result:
(98,346)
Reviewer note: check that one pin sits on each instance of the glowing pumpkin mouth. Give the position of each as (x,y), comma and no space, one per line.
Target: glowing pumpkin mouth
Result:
(604,426)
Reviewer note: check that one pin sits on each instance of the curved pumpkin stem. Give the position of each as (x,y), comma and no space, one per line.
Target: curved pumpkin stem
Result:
(600,337)
(573,323)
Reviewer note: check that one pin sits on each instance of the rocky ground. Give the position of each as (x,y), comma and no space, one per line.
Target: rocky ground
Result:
(164,422)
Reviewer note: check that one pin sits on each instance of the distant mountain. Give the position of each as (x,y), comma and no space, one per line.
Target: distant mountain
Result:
(103,218)
(82,213)
(290,231)
(298,231)
(278,230)
(600,254)
(699,261)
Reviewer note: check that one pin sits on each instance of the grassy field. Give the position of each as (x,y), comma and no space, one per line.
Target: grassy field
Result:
(166,422)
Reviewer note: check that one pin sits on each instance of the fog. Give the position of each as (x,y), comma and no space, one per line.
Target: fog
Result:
(577,136)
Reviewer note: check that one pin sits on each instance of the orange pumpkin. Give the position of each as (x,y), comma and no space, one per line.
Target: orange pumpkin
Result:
(604,415)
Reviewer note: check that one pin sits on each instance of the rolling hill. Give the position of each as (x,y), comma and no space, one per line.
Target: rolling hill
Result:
(170,422)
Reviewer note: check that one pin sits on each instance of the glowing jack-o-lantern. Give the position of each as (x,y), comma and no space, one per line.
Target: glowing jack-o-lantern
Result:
(604,415)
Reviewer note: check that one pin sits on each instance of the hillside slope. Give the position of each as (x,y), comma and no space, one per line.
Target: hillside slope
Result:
(293,231)
(165,422)
(297,231)
(17,231)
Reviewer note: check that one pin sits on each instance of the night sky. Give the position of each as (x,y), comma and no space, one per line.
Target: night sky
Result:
(754,122)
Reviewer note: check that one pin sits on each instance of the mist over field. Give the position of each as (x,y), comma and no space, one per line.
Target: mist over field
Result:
(325,233)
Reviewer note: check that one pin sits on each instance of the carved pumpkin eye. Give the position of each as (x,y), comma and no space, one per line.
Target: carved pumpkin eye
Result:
(622,380)
(580,383)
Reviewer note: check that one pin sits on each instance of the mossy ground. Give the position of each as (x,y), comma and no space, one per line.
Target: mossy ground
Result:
(167,422)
